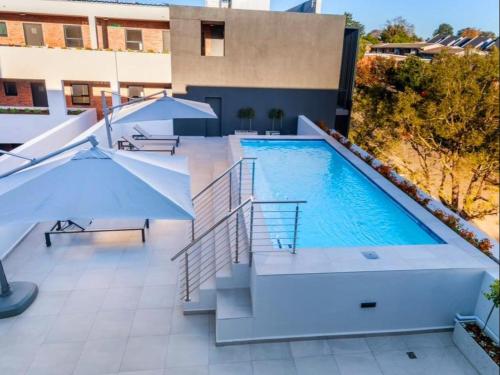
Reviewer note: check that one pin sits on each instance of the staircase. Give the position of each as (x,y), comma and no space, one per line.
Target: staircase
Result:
(231,226)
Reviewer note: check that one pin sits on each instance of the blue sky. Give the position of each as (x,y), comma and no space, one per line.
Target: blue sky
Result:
(426,15)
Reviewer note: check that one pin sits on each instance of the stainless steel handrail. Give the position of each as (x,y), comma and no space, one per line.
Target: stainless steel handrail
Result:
(208,231)
(221,176)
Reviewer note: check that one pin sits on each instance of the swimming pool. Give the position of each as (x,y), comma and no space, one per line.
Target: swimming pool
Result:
(344,207)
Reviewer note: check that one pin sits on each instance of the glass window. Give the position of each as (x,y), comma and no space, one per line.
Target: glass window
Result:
(212,39)
(3,29)
(10,88)
(73,36)
(133,39)
(33,34)
(135,92)
(80,94)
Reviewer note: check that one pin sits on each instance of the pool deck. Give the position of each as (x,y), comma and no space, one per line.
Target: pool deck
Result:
(107,305)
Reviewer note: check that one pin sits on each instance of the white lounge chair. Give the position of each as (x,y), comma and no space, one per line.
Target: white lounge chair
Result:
(130,144)
(146,136)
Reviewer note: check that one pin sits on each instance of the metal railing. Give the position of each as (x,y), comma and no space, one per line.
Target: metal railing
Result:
(222,195)
(250,227)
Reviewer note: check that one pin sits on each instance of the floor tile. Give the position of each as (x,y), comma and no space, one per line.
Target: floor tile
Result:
(29,329)
(192,370)
(122,299)
(228,353)
(271,350)
(158,276)
(145,353)
(101,357)
(113,324)
(427,340)
(16,358)
(189,324)
(386,343)
(323,365)
(129,277)
(356,364)
(309,348)
(56,359)
(84,301)
(95,279)
(187,350)
(244,368)
(348,345)
(71,328)
(157,297)
(274,367)
(151,322)
(47,303)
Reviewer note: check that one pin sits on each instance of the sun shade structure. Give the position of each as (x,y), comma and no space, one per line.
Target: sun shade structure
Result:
(167,108)
(99,183)
(91,183)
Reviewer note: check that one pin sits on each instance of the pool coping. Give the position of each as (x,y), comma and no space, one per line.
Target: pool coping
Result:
(352,259)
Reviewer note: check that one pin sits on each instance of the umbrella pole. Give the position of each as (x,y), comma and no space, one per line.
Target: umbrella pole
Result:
(16,296)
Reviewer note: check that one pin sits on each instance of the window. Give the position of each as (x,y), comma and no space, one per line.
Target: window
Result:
(33,34)
(133,39)
(73,36)
(135,92)
(10,88)
(212,39)
(80,94)
(3,29)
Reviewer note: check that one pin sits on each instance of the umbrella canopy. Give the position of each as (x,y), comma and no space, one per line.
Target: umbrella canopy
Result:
(166,108)
(98,183)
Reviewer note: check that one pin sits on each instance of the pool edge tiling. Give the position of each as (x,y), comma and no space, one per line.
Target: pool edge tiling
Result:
(344,206)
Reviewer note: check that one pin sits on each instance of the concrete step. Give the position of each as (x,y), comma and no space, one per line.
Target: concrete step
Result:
(234,303)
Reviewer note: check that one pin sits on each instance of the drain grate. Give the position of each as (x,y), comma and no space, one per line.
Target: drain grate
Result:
(411,355)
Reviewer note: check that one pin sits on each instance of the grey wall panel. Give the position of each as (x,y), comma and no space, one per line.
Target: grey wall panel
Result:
(315,104)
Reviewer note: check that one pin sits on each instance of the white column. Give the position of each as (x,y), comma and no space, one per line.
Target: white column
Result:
(94,44)
(115,89)
(56,99)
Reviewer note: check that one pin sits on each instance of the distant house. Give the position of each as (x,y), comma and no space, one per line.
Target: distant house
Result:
(434,46)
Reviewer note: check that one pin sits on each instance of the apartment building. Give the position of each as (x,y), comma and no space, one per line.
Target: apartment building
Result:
(56,55)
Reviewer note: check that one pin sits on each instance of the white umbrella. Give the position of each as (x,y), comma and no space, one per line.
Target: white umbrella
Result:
(166,108)
(98,183)
(92,183)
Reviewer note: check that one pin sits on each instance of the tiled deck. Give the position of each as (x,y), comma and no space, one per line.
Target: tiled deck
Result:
(108,305)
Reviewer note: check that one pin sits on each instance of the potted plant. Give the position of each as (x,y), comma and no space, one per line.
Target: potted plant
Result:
(247,113)
(479,348)
(272,116)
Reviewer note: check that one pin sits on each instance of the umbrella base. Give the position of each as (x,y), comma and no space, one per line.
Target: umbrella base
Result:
(22,294)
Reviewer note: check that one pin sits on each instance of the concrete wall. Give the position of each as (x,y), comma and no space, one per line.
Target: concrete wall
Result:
(316,104)
(41,145)
(483,306)
(262,49)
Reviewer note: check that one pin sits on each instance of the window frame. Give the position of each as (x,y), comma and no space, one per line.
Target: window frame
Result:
(212,24)
(25,24)
(66,38)
(5,84)
(6,30)
(73,96)
(140,43)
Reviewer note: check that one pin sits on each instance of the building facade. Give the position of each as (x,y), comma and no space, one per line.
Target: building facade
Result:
(57,55)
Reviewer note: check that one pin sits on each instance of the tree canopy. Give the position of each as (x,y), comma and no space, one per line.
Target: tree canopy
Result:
(398,30)
(447,112)
(351,22)
(444,28)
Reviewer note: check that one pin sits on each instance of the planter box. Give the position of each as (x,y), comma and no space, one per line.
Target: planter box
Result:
(473,352)
(246,132)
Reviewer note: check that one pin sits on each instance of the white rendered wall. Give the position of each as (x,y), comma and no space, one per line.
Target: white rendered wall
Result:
(41,145)
(483,306)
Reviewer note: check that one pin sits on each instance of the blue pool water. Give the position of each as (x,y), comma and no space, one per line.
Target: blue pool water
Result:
(344,207)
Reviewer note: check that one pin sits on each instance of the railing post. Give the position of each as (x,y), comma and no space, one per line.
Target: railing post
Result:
(295,226)
(186,265)
(192,230)
(240,182)
(237,250)
(230,191)
(253,177)
(250,247)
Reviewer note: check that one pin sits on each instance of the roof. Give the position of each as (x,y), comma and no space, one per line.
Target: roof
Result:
(438,49)
(121,2)
(402,45)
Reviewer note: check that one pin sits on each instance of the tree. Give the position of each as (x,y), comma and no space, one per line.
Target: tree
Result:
(444,28)
(488,34)
(492,295)
(398,30)
(247,113)
(469,32)
(451,118)
(351,22)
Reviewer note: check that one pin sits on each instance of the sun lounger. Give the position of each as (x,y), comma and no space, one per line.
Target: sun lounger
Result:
(71,227)
(129,144)
(146,136)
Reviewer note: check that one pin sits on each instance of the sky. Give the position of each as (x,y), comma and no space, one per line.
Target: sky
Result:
(426,15)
